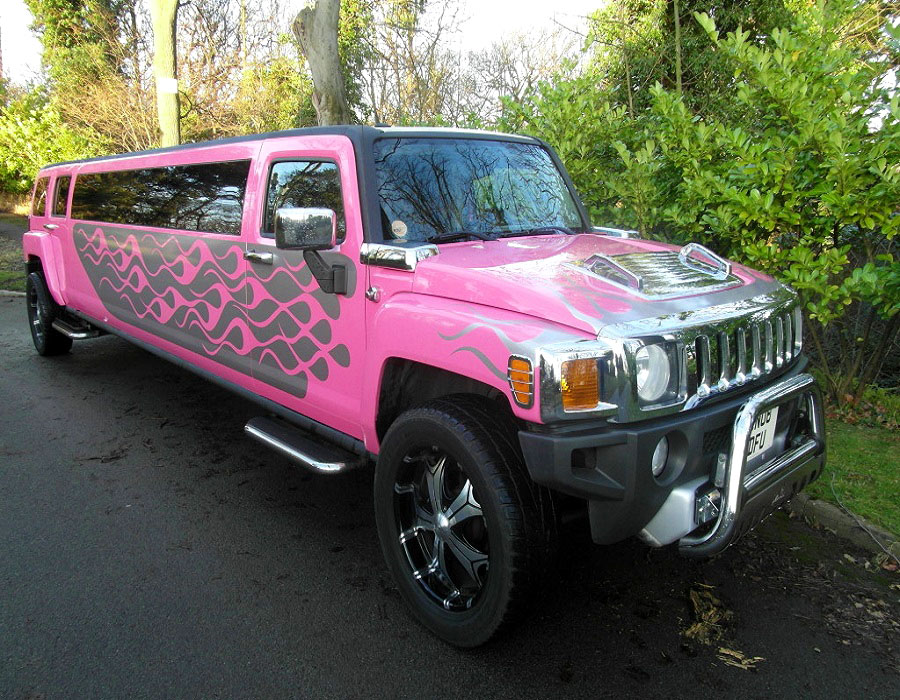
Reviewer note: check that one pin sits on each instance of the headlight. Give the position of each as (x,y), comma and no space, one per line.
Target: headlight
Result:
(654,373)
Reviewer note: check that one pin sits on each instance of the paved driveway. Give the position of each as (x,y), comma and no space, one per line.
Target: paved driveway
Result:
(147,549)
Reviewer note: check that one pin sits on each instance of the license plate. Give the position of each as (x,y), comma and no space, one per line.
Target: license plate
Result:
(762,434)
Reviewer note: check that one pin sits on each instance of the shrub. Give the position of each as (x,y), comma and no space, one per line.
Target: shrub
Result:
(32,135)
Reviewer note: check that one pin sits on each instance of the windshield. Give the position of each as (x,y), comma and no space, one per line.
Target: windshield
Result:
(429,187)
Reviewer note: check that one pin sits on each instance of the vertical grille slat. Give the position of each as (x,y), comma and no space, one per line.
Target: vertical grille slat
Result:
(725,370)
(769,362)
(779,342)
(788,338)
(740,338)
(703,365)
(756,332)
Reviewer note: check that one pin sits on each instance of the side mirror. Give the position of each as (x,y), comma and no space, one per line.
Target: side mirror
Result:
(306,228)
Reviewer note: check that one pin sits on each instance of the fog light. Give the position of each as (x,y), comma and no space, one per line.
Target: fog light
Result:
(660,457)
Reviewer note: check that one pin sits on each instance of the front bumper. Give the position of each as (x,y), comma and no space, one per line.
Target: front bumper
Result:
(708,496)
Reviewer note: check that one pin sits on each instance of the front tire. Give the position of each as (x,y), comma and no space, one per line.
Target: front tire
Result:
(464,531)
(41,312)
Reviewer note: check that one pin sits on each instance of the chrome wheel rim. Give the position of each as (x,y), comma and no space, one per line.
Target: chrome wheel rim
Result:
(34,314)
(442,529)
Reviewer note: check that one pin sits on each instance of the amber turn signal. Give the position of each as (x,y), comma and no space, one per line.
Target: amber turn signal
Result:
(521,380)
(579,384)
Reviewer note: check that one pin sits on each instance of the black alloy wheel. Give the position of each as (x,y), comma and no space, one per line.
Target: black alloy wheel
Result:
(465,533)
(41,312)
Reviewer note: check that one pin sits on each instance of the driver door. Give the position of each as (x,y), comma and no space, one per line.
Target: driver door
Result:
(309,343)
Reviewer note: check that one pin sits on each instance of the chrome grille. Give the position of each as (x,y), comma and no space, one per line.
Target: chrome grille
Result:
(719,361)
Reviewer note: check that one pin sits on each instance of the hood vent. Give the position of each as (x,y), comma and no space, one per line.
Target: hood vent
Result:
(663,274)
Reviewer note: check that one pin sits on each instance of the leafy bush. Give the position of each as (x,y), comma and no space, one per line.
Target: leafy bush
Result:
(804,184)
(32,135)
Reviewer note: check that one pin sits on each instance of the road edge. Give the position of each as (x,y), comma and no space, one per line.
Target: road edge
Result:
(857,530)
(6,293)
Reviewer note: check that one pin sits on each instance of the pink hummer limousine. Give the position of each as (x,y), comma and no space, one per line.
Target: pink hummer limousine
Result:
(435,305)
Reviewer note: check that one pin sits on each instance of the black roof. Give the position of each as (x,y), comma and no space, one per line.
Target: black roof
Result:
(355,133)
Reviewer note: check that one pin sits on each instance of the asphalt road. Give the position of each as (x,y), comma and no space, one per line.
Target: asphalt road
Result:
(147,549)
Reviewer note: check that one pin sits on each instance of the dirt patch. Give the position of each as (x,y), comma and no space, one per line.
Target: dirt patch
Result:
(15,203)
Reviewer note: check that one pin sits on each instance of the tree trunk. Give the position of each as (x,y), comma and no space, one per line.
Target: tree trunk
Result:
(677,47)
(164,14)
(316,30)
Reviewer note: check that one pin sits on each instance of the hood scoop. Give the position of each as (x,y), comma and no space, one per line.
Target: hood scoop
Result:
(662,274)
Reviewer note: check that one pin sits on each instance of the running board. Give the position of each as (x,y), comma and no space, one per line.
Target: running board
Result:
(75,331)
(301,446)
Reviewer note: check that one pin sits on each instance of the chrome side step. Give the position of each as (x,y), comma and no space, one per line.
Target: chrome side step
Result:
(73,330)
(301,447)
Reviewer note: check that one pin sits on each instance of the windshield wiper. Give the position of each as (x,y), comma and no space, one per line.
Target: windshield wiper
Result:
(448,236)
(539,231)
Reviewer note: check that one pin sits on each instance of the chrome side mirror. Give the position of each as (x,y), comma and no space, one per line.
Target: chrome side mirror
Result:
(305,228)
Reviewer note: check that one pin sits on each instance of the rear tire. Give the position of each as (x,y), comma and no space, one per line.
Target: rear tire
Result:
(41,312)
(465,533)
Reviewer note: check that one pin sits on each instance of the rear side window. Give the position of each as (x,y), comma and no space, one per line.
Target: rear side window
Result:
(207,197)
(61,195)
(39,201)
(304,183)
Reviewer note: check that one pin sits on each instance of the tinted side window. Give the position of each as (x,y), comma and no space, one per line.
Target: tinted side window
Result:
(61,195)
(207,197)
(39,201)
(304,183)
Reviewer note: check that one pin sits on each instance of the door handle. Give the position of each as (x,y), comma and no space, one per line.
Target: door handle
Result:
(51,227)
(260,258)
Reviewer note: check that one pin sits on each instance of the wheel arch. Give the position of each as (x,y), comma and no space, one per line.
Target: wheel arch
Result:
(41,255)
(407,383)
(465,348)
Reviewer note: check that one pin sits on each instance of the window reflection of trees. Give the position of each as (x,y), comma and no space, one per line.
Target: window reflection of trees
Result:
(441,185)
(304,184)
(40,197)
(61,195)
(205,197)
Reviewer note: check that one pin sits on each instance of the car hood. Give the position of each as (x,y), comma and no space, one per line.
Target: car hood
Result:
(585,281)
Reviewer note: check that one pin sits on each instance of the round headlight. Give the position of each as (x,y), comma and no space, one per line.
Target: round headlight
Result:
(653,373)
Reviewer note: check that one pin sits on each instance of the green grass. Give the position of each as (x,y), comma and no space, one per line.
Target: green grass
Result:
(863,468)
(14,220)
(12,268)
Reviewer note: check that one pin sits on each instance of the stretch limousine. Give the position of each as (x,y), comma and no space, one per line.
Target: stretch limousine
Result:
(436,306)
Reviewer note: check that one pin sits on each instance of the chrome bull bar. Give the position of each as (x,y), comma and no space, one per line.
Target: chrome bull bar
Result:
(757,494)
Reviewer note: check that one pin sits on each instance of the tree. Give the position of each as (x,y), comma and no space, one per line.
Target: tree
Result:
(316,30)
(408,74)
(96,59)
(165,17)
(510,70)
(637,43)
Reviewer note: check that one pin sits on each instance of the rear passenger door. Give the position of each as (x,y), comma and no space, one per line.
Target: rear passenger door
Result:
(310,343)
(58,223)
